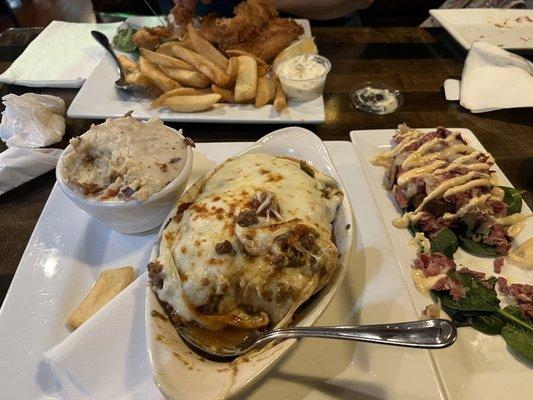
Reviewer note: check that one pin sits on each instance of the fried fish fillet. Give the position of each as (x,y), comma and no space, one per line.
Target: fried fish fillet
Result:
(268,42)
(255,28)
(250,18)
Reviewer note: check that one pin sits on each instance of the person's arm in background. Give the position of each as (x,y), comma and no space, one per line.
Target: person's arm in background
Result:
(322,9)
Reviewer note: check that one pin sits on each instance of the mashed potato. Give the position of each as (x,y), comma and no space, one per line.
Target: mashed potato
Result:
(124,159)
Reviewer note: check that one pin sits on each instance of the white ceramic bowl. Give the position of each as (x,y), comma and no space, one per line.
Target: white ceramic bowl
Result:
(130,216)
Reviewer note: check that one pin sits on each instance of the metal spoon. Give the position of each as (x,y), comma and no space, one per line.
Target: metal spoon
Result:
(426,334)
(121,83)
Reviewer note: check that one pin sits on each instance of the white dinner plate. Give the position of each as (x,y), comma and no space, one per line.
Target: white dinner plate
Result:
(507,28)
(477,366)
(99,99)
(68,250)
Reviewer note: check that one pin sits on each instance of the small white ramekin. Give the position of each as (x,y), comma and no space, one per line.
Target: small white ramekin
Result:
(131,216)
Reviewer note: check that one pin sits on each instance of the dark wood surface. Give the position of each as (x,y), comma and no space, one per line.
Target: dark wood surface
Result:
(414,60)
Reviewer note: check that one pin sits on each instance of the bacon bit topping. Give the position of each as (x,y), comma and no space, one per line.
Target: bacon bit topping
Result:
(502,285)
(522,292)
(162,167)
(225,247)
(473,274)
(246,218)
(497,238)
(498,264)
(126,193)
(433,264)
(154,273)
(90,188)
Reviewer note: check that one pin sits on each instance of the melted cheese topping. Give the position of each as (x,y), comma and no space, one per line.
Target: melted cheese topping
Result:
(268,270)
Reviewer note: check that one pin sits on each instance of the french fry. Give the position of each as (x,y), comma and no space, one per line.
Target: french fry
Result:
(138,78)
(246,84)
(156,76)
(128,64)
(202,64)
(163,60)
(237,53)
(266,90)
(166,48)
(233,68)
(110,282)
(191,103)
(187,78)
(280,100)
(206,49)
(182,91)
(226,94)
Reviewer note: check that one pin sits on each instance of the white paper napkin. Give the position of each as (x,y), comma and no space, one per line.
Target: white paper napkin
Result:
(19,165)
(494,78)
(32,120)
(106,357)
(62,56)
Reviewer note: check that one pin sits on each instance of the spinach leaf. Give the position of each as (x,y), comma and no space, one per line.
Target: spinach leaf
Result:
(480,310)
(445,242)
(513,314)
(518,333)
(491,324)
(476,248)
(412,228)
(478,297)
(512,199)
(123,40)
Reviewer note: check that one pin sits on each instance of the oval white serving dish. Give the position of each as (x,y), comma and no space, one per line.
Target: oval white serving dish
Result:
(178,372)
(130,216)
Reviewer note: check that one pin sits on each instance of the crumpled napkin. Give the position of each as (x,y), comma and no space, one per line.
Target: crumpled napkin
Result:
(106,357)
(62,56)
(32,120)
(19,165)
(492,79)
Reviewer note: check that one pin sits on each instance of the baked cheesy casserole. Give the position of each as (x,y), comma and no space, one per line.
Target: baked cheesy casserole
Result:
(250,246)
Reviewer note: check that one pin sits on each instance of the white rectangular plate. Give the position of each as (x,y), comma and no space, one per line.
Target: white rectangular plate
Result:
(507,28)
(68,249)
(99,99)
(477,366)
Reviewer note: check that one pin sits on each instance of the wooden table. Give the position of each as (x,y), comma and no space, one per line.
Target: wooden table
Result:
(414,60)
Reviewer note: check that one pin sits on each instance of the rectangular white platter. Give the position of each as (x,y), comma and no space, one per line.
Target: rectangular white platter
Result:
(507,28)
(99,99)
(477,366)
(68,249)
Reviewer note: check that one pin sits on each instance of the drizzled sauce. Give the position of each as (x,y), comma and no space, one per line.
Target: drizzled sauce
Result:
(426,161)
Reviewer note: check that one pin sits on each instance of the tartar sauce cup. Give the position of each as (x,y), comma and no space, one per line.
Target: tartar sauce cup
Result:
(302,77)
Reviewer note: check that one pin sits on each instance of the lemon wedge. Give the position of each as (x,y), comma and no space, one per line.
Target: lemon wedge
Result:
(304,46)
